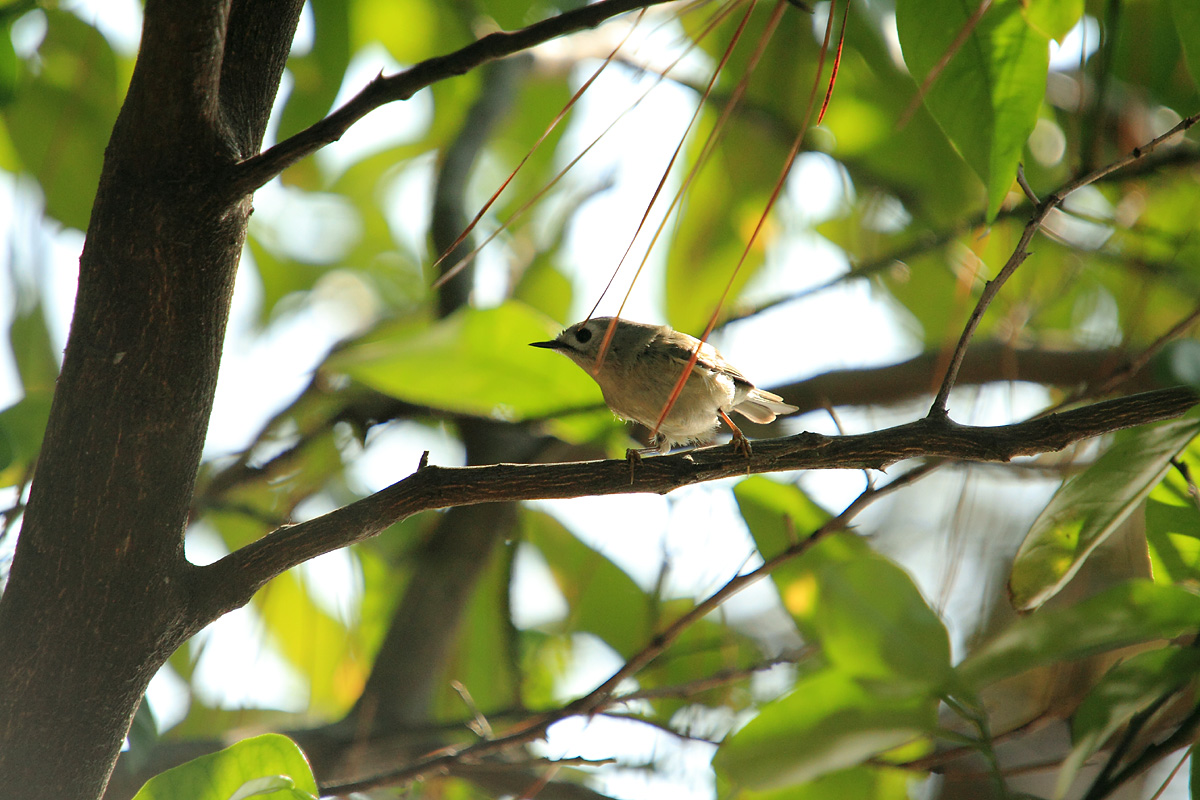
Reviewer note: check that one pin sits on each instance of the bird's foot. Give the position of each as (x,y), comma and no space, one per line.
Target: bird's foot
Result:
(634,459)
(742,445)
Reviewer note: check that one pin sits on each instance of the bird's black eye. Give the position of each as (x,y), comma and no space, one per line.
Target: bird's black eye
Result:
(583,335)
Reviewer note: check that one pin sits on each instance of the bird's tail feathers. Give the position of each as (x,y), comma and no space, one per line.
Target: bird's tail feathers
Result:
(762,407)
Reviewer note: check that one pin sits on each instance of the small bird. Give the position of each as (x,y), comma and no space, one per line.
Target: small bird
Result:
(640,369)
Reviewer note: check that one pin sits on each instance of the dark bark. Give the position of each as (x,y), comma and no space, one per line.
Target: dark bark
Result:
(100,593)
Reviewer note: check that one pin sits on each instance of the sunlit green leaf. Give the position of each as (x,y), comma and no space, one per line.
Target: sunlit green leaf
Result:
(1054,19)
(268,766)
(1133,612)
(986,97)
(474,362)
(602,598)
(1090,506)
(312,641)
(778,514)
(1173,534)
(830,721)
(867,615)
(865,612)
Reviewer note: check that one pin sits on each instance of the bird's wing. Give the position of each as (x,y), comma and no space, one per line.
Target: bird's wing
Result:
(709,360)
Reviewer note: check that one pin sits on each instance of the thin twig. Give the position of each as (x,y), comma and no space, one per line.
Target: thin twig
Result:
(1021,252)
(255,172)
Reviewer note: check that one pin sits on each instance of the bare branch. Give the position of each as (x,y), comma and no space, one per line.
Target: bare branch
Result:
(232,581)
(603,696)
(255,172)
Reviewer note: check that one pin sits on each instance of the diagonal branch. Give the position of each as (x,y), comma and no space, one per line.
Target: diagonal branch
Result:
(232,581)
(256,171)
(1021,252)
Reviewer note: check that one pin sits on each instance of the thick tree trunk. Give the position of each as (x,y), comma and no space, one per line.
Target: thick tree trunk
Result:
(98,596)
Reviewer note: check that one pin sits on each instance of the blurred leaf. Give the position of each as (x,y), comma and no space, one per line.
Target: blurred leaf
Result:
(32,350)
(62,116)
(473,362)
(316,644)
(1133,612)
(269,766)
(864,612)
(1053,19)
(868,616)
(986,98)
(1127,689)
(859,783)
(1186,16)
(1091,505)
(8,62)
(710,237)
(317,76)
(602,598)
(778,514)
(483,660)
(22,426)
(705,649)
(830,721)
(545,288)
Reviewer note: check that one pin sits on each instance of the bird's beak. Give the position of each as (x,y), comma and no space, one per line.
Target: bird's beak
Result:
(553,344)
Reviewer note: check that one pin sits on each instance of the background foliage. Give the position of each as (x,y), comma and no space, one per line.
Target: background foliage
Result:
(874,659)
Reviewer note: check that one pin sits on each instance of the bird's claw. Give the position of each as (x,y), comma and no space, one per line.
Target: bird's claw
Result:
(634,459)
(742,445)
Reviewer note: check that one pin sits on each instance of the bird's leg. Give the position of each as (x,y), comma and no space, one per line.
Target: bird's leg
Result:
(740,442)
(633,458)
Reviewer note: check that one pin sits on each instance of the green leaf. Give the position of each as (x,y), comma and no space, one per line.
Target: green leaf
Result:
(603,599)
(1172,532)
(1133,612)
(312,641)
(1090,506)
(859,783)
(869,617)
(1054,19)
(1186,15)
(987,96)
(829,722)
(318,74)
(483,659)
(1127,689)
(269,766)
(778,514)
(22,426)
(865,612)
(474,362)
(8,63)
(61,118)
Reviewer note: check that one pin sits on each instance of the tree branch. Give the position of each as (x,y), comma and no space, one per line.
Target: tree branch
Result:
(255,172)
(232,581)
(1021,252)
